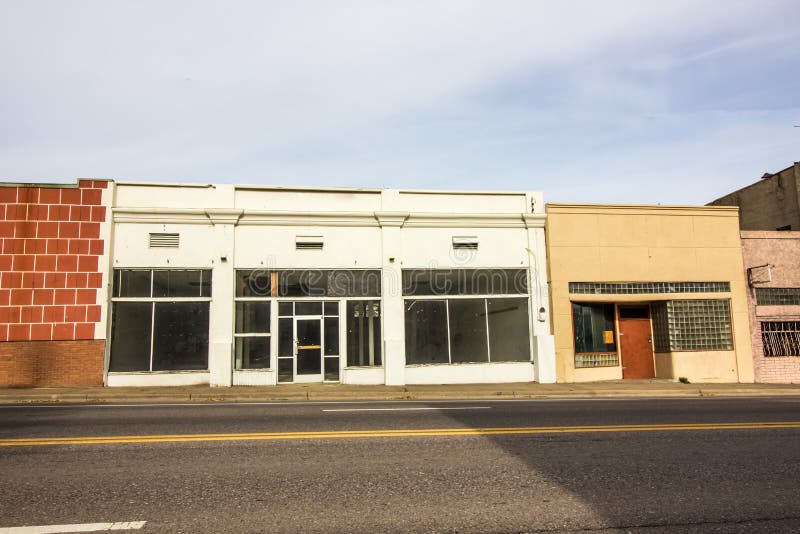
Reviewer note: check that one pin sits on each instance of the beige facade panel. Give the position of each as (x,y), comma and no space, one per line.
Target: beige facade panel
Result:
(648,244)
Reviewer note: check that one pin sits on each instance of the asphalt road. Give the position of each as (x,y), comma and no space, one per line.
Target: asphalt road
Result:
(617,478)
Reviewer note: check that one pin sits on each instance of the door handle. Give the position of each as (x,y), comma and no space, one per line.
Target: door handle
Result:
(308,347)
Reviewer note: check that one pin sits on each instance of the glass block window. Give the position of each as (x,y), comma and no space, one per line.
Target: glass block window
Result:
(781,338)
(778,296)
(703,324)
(638,288)
(609,359)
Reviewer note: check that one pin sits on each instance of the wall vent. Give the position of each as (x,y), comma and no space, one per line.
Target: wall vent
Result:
(161,240)
(465,242)
(308,242)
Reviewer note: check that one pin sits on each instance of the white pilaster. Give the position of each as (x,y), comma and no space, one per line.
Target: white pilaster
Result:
(544,346)
(220,346)
(394,353)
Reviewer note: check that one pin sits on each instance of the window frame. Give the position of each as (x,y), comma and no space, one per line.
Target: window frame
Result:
(778,333)
(345,317)
(153,301)
(445,298)
(598,360)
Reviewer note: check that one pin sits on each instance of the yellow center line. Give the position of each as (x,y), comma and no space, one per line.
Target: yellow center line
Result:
(95,440)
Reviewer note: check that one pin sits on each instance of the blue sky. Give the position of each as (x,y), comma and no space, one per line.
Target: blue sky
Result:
(671,102)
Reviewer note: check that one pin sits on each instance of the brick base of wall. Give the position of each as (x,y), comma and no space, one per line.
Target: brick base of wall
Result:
(778,370)
(51,363)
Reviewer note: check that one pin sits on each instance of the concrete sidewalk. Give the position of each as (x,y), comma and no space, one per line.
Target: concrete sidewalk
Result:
(338,392)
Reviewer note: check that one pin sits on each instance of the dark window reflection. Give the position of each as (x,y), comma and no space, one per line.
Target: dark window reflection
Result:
(363,333)
(468,340)
(251,352)
(426,331)
(176,284)
(180,337)
(331,336)
(509,330)
(131,283)
(252,317)
(130,336)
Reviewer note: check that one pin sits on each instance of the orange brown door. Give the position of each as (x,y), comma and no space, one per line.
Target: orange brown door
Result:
(635,342)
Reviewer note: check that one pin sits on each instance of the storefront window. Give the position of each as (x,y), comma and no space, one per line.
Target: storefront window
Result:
(593,327)
(472,330)
(160,320)
(252,335)
(363,333)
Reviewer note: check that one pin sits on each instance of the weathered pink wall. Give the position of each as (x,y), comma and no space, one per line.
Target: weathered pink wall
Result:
(782,251)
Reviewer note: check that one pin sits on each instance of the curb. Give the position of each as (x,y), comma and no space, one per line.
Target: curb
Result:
(311,396)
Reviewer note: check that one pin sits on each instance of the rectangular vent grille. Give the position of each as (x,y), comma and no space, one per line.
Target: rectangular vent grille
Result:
(164,240)
(308,242)
(465,242)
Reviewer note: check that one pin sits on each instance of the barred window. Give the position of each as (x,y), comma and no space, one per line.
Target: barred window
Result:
(778,296)
(781,338)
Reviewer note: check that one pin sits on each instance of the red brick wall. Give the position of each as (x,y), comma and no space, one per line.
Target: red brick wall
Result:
(51,363)
(50,273)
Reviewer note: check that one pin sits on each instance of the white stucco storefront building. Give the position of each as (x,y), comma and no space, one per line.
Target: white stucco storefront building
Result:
(252,285)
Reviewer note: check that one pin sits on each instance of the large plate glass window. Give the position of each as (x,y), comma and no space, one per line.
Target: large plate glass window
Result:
(471,330)
(159,320)
(490,324)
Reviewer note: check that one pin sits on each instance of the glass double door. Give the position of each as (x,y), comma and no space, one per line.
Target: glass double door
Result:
(314,342)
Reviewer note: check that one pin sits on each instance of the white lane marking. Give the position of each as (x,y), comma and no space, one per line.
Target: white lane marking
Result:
(77,527)
(405,409)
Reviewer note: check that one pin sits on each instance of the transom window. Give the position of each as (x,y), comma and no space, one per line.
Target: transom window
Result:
(308,283)
(448,282)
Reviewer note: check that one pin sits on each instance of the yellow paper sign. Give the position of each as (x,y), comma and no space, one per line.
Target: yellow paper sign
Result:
(608,337)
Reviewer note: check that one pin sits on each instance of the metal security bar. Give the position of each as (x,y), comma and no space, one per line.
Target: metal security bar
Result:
(781,338)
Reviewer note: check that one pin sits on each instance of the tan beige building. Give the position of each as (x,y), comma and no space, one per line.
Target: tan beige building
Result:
(647,292)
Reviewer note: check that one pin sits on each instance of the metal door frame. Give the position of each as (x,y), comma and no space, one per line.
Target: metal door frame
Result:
(298,379)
